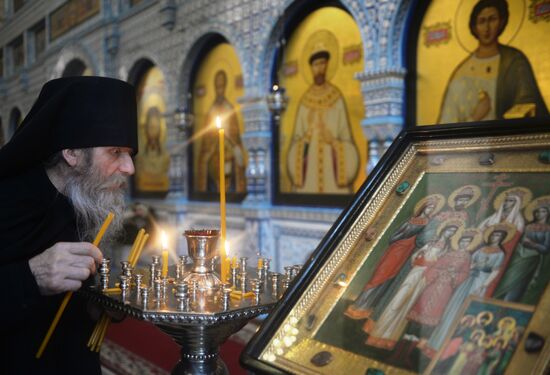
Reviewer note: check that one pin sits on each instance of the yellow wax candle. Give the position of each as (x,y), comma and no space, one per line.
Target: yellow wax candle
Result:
(112,291)
(164,241)
(164,263)
(228,266)
(234,262)
(139,249)
(103,228)
(260,263)
(135,246)
(97,331)
(101,336)
(226,262)
(223,256)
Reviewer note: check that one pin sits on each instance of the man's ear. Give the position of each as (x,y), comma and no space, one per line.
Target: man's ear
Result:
(71,156)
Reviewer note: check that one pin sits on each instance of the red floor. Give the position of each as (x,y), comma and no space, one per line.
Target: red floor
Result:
(145,340)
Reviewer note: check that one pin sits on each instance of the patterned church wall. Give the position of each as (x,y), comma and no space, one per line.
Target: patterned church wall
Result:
(167,32)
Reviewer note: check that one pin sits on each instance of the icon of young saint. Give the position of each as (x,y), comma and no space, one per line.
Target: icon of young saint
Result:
(486,264)
(527,273)
(492,79)
(402,245)
(442,280)
(389,328)
(459,200)
(208,161)
(508,206)
(322,157)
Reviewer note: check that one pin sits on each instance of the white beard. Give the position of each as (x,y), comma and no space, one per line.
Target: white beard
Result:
(93,197)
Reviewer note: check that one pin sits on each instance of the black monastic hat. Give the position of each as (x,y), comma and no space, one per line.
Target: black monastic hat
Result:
(73,112)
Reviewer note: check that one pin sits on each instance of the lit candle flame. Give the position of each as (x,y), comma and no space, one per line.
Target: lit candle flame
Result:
(164,240)
(227,249)
(218,122)
(275,87)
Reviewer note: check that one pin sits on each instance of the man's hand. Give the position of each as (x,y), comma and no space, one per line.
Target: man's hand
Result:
(64,266)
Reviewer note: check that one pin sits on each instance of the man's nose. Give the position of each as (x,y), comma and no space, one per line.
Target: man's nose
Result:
(127,165)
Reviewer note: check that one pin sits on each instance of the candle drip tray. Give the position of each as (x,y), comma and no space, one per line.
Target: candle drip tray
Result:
(203,281)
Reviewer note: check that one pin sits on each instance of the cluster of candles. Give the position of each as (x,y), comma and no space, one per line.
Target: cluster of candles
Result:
(243,284)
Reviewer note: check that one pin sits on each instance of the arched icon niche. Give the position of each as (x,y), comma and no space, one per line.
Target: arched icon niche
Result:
(322,149)
(153,159)
(217,84)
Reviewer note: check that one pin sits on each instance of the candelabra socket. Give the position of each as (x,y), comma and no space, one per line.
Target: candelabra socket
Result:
(138,280)
(182,289)
(126,269)
(124,283)
(260,272)
(234,276)
(104,273)
(182,295)
(180,267)
(275,277)
(256,288)
(243,261)
(144,294)
(163,286)
(288,272)
(267,261)
(152,272)
(286,283)
(156,259)
(157,287)
(295,270)
(243,277)
(226,298)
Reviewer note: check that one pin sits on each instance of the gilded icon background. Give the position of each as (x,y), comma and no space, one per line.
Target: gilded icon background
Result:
(502,72)
(218,84)
(153,159)
(322,148)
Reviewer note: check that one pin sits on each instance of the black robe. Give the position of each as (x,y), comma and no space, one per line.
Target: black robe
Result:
(33,217)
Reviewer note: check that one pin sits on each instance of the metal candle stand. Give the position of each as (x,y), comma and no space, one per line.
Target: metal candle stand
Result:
(195,308)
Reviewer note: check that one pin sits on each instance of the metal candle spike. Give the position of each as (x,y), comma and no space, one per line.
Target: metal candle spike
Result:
(152,272)
(104,273)
(226,298)
(256,288)
(180,266)
(275,284)
(137,278)
(244,261)
(266,269)
(234,278)
(182,295)
(260,269)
